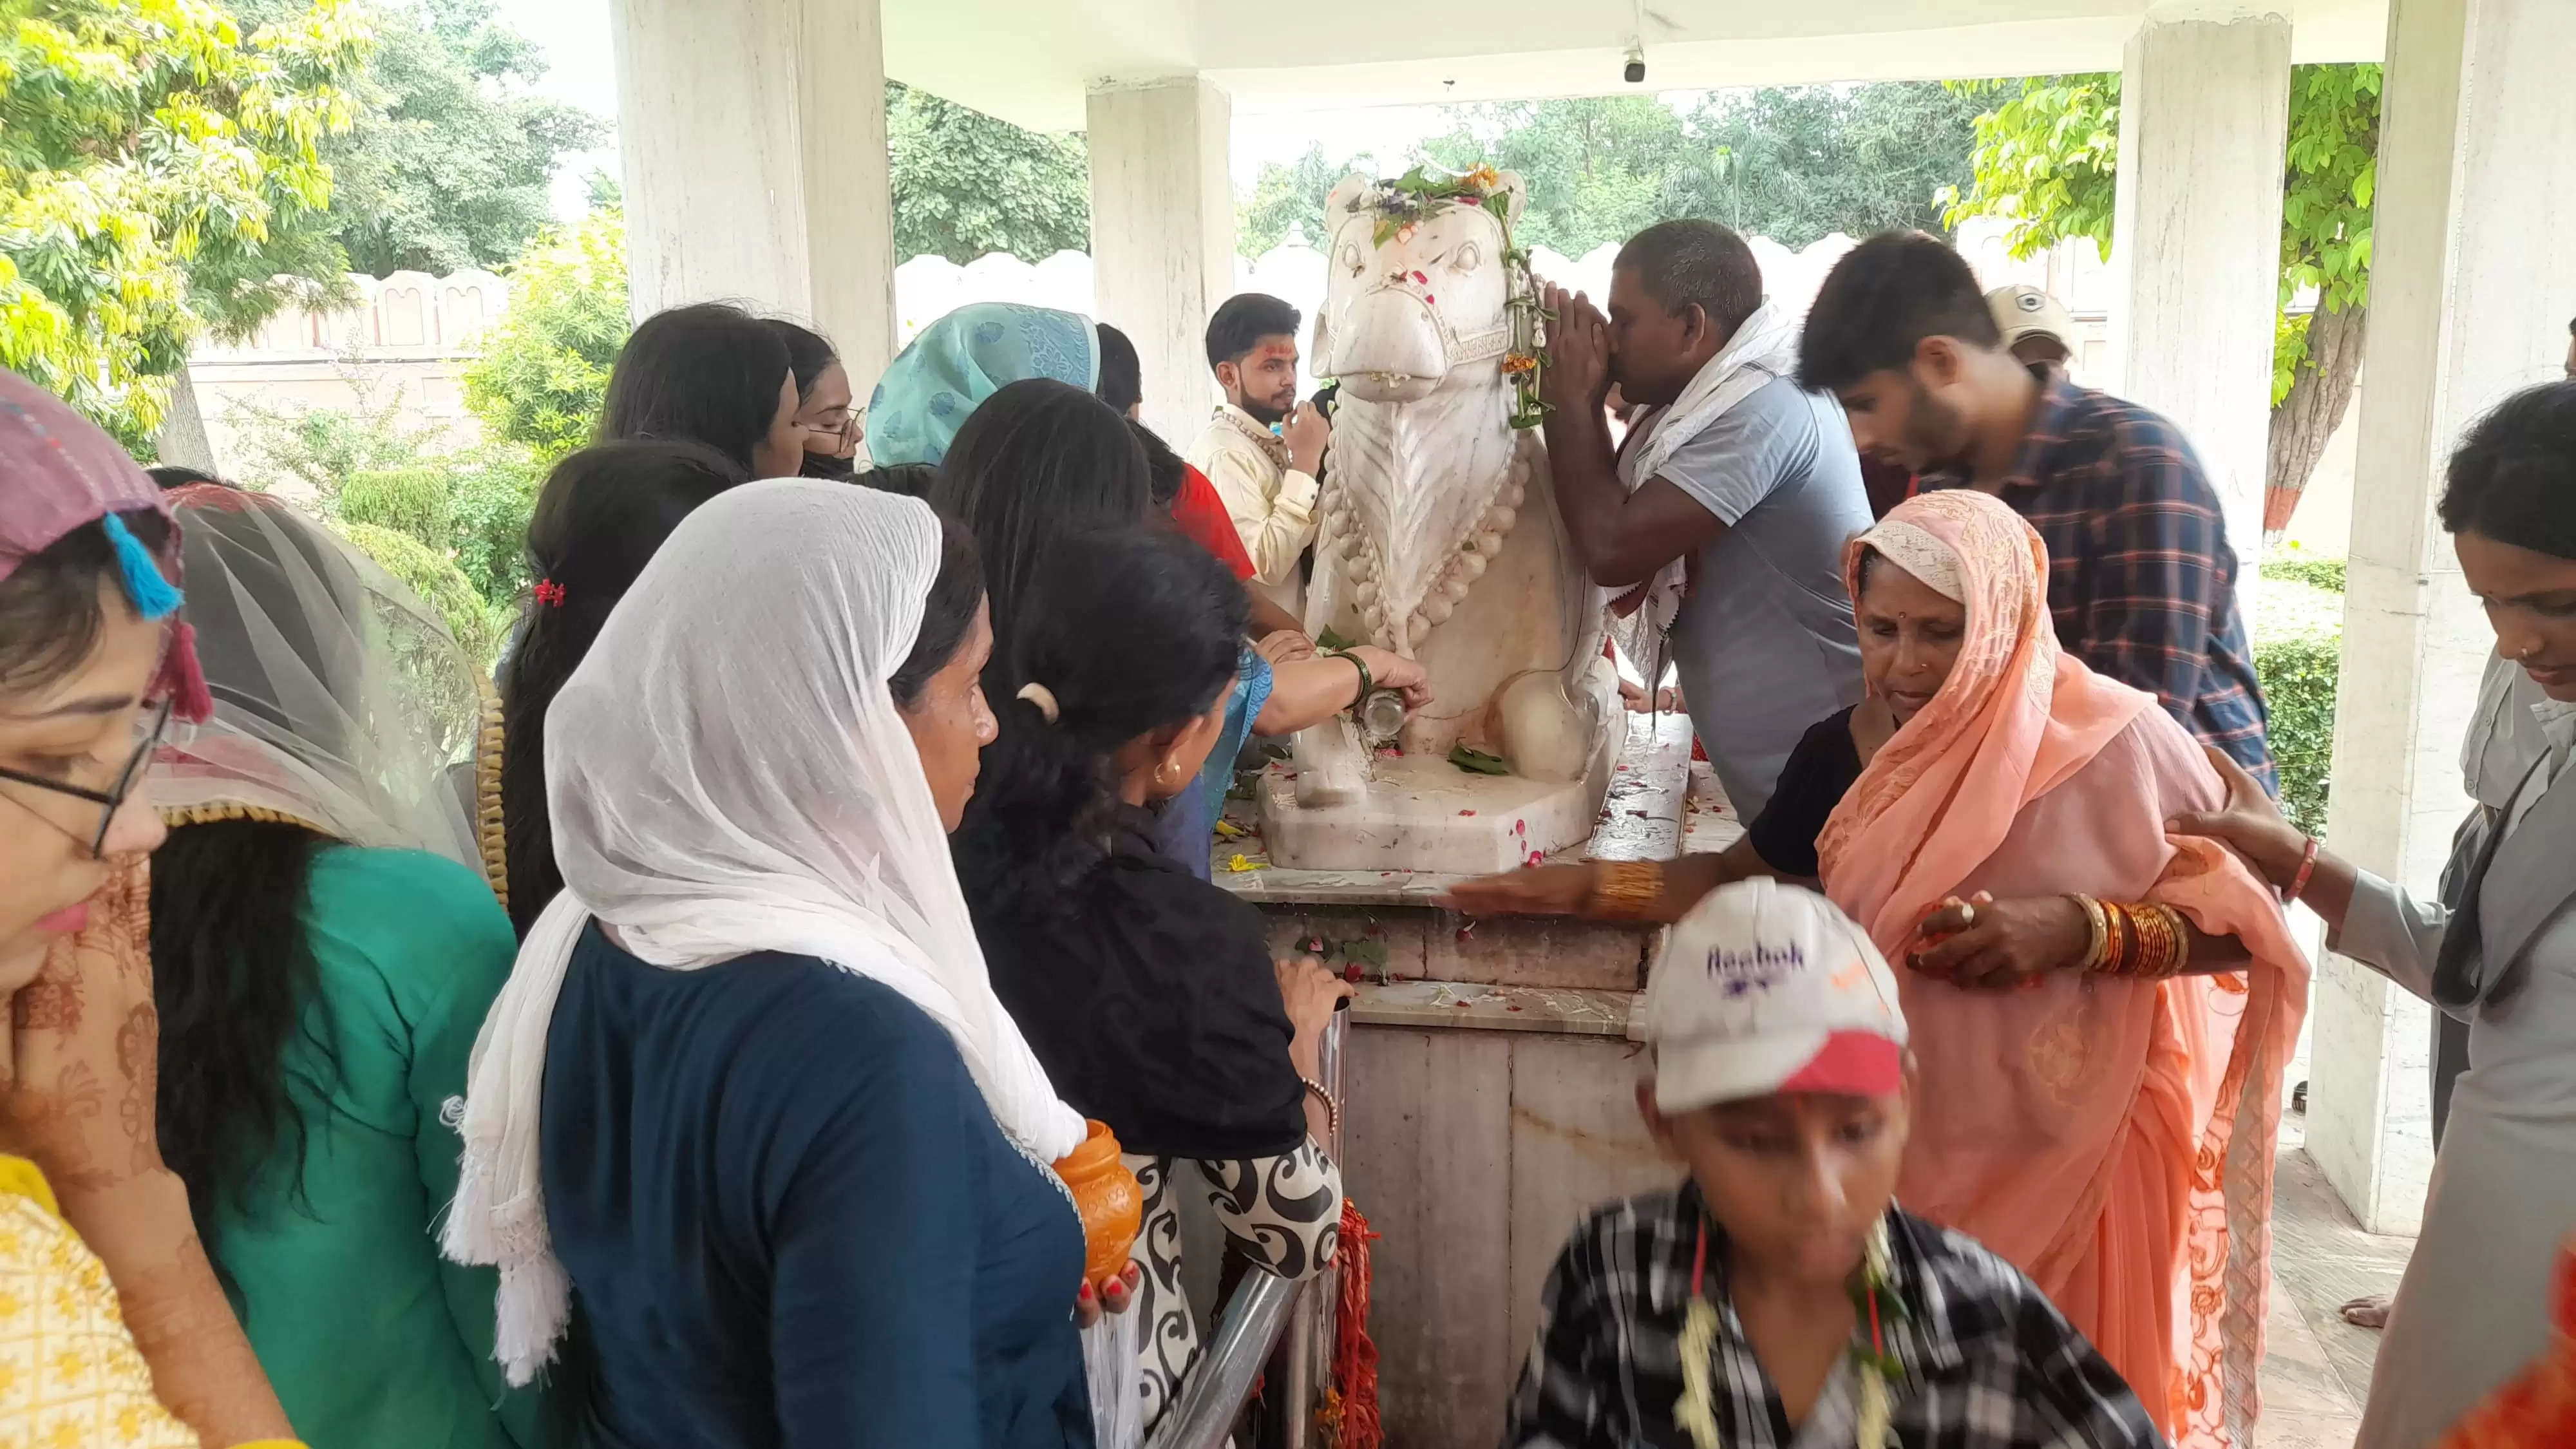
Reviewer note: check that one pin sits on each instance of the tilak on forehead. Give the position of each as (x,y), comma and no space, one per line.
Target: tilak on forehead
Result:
(58,471)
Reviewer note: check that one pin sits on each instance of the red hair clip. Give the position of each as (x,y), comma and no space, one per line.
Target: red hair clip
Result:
(549,593)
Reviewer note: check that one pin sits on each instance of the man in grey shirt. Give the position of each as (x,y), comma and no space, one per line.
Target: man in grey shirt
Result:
(1723,517)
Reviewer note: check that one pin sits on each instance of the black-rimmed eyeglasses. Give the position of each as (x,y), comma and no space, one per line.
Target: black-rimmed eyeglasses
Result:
(150,729)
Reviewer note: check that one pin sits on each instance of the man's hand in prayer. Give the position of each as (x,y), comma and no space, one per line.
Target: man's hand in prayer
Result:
(1306,432)
(1577,375)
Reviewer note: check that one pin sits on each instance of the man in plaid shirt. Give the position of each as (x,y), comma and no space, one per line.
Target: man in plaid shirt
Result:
(1778,1296)
(2140,578)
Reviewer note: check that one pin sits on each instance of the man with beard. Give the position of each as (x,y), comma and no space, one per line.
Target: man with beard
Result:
(1266,477)
(1718,521)
(2141,582)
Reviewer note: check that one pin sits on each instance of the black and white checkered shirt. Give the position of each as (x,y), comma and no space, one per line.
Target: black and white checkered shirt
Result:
(1989,1362)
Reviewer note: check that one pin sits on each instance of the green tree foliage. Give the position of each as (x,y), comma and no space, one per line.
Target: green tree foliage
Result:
(966,184)
(2047,158)
(159,169)
(449,165)
(544,368)
(2330,180)
(1290,197)
(1792,164)
(1798,163)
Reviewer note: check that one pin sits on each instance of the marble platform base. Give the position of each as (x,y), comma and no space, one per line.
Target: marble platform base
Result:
(1426,815)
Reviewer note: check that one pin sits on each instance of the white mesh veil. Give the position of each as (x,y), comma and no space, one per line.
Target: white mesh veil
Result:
(341,701)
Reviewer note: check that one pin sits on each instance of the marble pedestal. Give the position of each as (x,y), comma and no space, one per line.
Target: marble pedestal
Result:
(1488,1084)
(1422,815)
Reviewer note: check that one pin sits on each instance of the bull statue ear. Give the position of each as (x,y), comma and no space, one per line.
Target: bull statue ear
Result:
(1337,202)
(1510,184)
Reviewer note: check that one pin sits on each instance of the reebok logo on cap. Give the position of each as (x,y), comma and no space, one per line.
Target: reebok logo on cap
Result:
(1765,988)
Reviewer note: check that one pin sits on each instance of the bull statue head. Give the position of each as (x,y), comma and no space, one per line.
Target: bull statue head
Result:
(1414,289)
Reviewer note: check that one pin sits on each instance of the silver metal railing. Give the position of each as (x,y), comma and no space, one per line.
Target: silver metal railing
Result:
(1271,1331)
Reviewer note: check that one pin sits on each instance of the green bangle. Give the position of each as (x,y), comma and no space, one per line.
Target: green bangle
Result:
(1368,682)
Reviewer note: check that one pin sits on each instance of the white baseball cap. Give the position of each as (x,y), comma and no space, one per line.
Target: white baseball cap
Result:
(2022,310)
(1767,987)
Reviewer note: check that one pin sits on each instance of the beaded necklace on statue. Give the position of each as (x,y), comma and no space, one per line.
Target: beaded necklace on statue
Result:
(1877,1369)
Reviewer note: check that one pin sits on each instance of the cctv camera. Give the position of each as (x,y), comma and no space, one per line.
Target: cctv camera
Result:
(1636,71)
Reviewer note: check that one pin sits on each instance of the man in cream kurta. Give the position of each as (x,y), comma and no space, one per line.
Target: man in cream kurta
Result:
(1266,479)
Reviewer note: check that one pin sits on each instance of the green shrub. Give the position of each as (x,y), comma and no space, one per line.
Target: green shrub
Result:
(2320,573)
(411,501)
(477,625)
(490,494)
(2298,654)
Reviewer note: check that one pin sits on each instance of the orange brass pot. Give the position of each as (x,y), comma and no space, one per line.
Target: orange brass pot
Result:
(1107,1196)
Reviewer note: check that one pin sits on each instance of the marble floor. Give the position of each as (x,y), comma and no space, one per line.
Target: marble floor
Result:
(2316,1367)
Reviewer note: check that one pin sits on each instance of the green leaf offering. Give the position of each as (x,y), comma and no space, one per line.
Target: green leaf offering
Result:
(1331,639)
(1477,762)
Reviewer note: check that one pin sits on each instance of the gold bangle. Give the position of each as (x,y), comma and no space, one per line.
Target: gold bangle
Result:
(1625,890)
(1332,1109)
(2116,935)
(2177,940)
(2157,941)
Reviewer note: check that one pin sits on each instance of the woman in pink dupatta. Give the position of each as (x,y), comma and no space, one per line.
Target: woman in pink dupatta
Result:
(2110,1136)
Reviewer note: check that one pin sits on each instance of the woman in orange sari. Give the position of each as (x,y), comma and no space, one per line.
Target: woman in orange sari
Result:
(2099,1090)
(2094,1104)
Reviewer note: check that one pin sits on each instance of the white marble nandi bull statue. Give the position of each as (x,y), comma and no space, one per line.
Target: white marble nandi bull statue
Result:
(1440,541)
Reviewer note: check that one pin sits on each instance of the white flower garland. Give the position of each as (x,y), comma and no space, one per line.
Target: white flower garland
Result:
(1696,1411)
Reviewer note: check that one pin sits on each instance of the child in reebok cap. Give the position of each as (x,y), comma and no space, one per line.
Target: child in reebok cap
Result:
(1778,1294)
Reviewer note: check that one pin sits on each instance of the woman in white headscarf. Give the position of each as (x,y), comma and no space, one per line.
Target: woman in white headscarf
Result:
(748,1098)
(324,946)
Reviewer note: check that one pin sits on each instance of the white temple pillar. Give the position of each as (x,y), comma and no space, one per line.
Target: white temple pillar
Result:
(2196,242)
(1162,235)
(753,138)
(2473,278)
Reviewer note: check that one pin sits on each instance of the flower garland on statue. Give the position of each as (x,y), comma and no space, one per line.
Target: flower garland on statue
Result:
(1696,1413)
(1404,202)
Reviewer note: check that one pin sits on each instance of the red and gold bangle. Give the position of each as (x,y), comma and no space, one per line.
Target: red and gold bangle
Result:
(2115,945)
(2307,867)
(2149,941)
(2155,940)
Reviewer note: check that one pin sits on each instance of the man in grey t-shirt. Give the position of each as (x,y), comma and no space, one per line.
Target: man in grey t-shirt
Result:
(1755,504)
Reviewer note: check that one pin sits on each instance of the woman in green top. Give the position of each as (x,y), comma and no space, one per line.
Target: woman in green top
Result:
(323,955)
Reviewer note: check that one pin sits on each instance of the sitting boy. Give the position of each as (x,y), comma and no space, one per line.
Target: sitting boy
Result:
(1778,1296)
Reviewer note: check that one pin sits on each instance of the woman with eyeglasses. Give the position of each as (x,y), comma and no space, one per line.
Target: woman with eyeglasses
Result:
(827,415)
(91,671)
(325,943)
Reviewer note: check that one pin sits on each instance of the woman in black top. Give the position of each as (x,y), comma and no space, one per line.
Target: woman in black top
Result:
(1149,995)
(1781,841)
